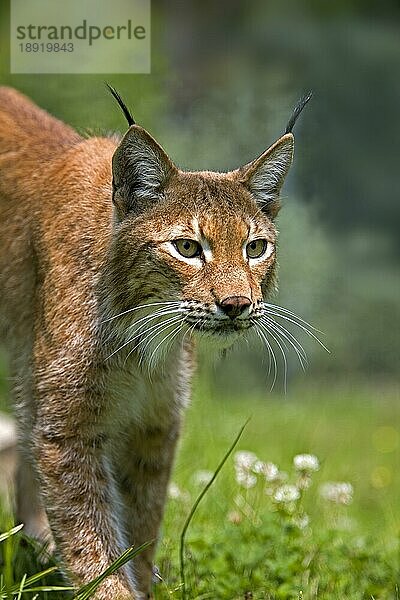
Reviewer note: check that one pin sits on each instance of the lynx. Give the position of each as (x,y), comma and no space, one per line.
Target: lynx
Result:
(113,262)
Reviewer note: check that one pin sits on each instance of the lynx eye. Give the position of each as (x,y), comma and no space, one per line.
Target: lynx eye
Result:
(256,248)
(188,248)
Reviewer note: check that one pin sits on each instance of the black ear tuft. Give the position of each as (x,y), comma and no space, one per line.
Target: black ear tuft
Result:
(125,109)
(298,108)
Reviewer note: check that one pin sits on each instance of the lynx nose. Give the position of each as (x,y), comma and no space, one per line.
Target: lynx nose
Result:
(233,306)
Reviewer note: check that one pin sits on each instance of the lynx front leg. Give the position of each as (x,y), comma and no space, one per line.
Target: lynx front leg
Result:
(145,466)
(30,510)
(81,500)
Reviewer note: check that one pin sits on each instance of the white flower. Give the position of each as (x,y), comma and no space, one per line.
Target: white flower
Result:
(303,481)
(245,459)
(286,493)
(235,517)
(246,479)
(174,491)
(269,470)
(301,521)
(337,492)
(306,462)
(258,467)
(202,477)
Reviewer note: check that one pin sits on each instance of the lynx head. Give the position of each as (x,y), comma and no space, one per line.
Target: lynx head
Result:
(193,252)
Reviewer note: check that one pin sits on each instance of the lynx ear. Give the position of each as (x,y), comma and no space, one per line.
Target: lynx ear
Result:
(265,175)
(141,170)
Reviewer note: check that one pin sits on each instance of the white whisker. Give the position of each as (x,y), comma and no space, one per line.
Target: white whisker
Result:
(150,317)
(188,331)
(271,350)
(141,307)
(277,342)
(292,314)
(263,343)
(141,330)
(300,325)
(285,333)
(152,333)
(172,333)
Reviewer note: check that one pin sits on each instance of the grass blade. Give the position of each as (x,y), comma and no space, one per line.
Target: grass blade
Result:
(34,578)
(194,508)
(49,588)
(7,534)
(87,590)
(21,587)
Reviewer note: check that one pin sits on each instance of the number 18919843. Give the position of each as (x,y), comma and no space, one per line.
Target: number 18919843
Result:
(46,47)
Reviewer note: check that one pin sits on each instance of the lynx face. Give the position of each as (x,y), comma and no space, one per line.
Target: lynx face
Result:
(198,248)
(222,256)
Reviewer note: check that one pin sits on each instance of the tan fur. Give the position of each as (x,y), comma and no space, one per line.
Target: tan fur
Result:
(85,237)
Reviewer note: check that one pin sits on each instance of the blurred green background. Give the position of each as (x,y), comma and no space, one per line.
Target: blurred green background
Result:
(224,79)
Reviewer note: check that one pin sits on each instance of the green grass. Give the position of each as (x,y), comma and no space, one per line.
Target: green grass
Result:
(241,544)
